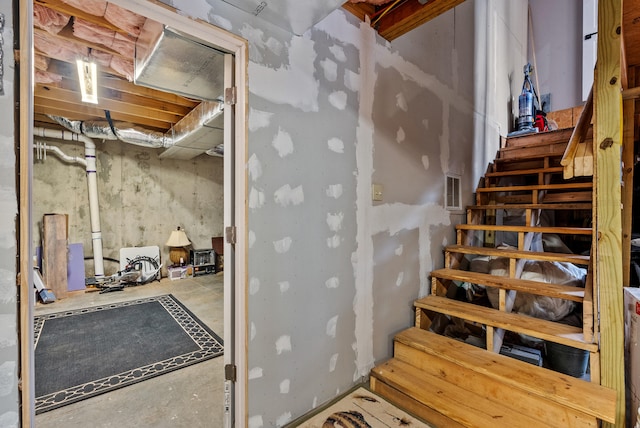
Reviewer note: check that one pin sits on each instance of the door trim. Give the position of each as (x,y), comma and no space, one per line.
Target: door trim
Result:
(221,39)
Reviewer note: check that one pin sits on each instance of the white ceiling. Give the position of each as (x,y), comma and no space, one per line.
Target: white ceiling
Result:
(296,16)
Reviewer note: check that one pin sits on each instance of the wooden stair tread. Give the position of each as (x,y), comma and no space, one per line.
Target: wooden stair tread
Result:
(563,186)
(538,288)
(568,197)
(530,171)
(519,254)
(526,152)
(449,399)
(586,397)
(525,229)
(544,206)
(542,329)
(547,137)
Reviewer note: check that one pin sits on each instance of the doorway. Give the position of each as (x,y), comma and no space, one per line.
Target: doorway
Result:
(234,206)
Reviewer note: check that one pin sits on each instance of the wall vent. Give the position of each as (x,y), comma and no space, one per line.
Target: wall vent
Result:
(453,199)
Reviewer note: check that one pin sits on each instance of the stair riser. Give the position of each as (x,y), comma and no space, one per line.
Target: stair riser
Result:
(449,399)
(526,152)
(474,383)
(413,406)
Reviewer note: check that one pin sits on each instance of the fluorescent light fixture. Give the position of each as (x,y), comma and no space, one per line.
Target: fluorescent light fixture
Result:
(88,77)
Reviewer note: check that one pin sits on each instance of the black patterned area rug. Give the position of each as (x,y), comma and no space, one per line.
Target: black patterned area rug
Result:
(86,352)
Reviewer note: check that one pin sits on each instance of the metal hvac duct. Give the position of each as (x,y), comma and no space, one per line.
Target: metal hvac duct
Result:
(171,61)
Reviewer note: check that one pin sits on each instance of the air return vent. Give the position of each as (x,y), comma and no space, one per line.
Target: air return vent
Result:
(452,193)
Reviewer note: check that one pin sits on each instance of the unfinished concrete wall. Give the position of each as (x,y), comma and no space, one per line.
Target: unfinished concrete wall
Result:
(142,198)
(9,394)
(557,38)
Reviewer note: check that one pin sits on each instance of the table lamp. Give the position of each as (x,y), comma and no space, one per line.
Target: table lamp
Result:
(177,242)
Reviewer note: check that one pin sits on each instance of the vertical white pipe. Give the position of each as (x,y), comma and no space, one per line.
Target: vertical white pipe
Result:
(92,185)
(94,207)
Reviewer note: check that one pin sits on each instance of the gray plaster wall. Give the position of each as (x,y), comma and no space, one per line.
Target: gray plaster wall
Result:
(557,37)
(331,275)
(9,358)
(142,198)
(423,131)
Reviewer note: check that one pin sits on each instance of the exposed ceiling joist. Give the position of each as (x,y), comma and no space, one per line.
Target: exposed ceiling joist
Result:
(396,18)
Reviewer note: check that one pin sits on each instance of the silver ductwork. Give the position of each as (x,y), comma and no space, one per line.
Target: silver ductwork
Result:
(172,61)
(198,132)
(124,131)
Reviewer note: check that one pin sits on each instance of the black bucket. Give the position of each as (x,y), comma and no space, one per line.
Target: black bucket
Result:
(567,360)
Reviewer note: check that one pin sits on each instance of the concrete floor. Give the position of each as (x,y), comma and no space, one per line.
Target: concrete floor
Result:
(189,397)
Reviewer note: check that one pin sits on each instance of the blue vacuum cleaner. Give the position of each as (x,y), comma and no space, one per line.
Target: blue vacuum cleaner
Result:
(528,104)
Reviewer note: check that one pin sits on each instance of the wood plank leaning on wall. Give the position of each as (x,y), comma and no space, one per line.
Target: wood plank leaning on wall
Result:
(26,296)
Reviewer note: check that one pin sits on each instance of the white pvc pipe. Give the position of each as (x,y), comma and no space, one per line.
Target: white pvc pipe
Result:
(92,185)
(59,153)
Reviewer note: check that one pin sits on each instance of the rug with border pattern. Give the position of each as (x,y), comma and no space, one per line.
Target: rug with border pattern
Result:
(85,352)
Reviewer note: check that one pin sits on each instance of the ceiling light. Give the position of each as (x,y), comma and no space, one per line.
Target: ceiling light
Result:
(88,78)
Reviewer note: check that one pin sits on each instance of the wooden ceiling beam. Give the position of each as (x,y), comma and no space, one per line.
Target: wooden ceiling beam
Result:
(128,87)
(68,86)
(52,108)
(402,18)
(412,14)
(143,111)
(79,111)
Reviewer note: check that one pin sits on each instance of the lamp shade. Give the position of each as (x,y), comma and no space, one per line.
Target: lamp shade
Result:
(178,239)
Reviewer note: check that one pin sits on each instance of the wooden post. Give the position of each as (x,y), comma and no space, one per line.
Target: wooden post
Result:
(607,239)
(628,110)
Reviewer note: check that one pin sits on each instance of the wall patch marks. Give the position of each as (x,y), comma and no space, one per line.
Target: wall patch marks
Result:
(332,363)
(332,282)
(256,198)
(334,221)
(283,344)
(259,119)
(334,191)
(330,69)
(286,196)
(283,245)
(254,167)
(425,162)
(338,53)
(284,286)
(283,143)
(332,325)
(336,145)
(401,102)
(338,99)
(254,285)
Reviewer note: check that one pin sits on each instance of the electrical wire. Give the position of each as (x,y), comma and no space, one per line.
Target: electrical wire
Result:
(385,11)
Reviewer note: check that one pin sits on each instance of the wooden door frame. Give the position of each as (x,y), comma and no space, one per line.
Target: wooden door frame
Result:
(225,41)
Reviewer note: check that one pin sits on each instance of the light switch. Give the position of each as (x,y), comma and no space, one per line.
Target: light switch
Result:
(376,192)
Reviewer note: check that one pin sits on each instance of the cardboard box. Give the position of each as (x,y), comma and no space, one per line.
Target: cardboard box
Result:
(179,272)
(632,351)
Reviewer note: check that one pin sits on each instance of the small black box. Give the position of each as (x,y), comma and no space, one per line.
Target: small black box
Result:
(204,261)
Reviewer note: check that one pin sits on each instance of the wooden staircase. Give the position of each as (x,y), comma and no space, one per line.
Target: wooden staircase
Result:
(455,384)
